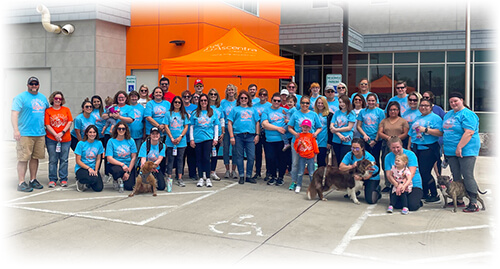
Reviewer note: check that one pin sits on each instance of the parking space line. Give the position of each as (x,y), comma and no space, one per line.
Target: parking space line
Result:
(128,209)
(362,237)
(351,233)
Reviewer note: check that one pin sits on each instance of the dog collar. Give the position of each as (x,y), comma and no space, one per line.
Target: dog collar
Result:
(144,177)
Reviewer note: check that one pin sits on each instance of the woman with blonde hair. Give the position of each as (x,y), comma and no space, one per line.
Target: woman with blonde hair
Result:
(214,103)
(321,108)
(226,105)
(342,89)
(143,95)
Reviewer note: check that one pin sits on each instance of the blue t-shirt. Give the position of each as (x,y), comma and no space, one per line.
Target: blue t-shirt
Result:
(371,118)
(121,150)
(454,124)
(125,111)
(156,111)
(431,121)
(244,119)
(81,123)
(99,121)
(299,97)
(298,117)
(226,107)
(154,152)
(31,108)
(189,110)
(176,124)
(350,159)
(203,126)
(410,115)
(390,159)
(322,138)
(137,126)
(313,101)
(261,107)
(220,116)
(333,106)
(255,100)
(342,119)
(88,153)
(364,96)
(277,118)
(403,103)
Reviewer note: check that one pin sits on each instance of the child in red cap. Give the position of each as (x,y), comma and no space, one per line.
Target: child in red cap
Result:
(307,148)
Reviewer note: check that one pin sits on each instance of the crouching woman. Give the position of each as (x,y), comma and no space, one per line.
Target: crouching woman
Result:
(88,160)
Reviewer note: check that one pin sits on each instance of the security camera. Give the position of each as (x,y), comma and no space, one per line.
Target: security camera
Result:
(68,29)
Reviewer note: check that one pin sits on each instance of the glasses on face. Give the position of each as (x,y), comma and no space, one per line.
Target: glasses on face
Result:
(400,88)
(425,105)
(426,97)
(203,100)
(164,84)
(355,148)
(144,90)
(196,97)
(276,100)
(357,100)
(292,87)
(121,129)
(304,103)
(87,107)
(186,96)
(57,98)
(329,91)
(340,87)
(394,110)
(363,84)
(199,86)
(213,94)
(177,102)
(412,100)
(243,98)
(263,94)
(34,84)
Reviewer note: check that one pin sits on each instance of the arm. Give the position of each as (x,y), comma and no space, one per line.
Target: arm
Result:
(292,131)
(230,131)
(14,116)
(463,141)
(257,133)
(152,121)
(361,131)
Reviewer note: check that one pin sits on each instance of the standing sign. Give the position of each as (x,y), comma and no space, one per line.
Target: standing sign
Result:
(333,80)
(131,83)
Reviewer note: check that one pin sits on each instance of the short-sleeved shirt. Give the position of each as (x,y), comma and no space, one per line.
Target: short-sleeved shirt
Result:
(298,117)
(410,115)
(203,125)
(322,138)
(58,119)
(99,121)
(350,159)
(125,111)
(277,118)
(154,152)
(371,119)
(156,111)
(226,107)
(342,119)
(176,125)
(121,150)
(244,119)
(390,159)
(31,108)
(261,107)
(395,129)
(81,123)
(454,124)
(312,101)
(431,121)
(333,106)
(137,126)
(403,103)
(88,153)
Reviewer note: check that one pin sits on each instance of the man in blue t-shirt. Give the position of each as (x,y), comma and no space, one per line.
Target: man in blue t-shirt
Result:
(27,117)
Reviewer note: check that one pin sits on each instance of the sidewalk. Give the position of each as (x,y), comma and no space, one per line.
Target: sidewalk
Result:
(234,225)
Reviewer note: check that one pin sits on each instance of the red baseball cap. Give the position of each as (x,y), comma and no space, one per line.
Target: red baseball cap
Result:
(198,81)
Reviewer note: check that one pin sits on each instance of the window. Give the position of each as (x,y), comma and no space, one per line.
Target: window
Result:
(358,58)
(432,57)
(312,59)
(408,73)
(381,83)
(406,57)
(484,56)
(355,74)
(311,74)
(381,58)
(250,6)
(432,79)
(456,56)
(483,86)
(332,59)
(455,82)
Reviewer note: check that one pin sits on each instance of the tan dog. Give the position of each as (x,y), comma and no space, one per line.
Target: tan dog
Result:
(455,190)
(146,182)
(333,177)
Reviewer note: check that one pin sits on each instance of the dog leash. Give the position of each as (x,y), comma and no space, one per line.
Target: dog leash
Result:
(324,170)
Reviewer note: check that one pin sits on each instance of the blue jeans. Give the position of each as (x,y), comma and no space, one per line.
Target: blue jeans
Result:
(302,166)
(244,143)
(226,144)
(58,157)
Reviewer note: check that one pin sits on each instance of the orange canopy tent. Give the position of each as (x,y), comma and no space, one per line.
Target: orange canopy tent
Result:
(384,85)
(233,55)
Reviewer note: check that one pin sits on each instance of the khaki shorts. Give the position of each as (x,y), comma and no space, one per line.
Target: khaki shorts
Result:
(30,147)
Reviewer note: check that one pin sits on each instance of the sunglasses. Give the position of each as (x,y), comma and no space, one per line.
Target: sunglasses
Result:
(196,97)
(186,96)
(87,107)
(304,103)
(203,100)
(355,149)
(425,105)
(357,99)
(276,100)
(34,83)
(164,84)
(290,87)
(330,91)
(263,94)
(243,98)
(177,102)
(144,90)
(57,98)
(121,129)
(340,87)
(412,100)
(213,94)
(363,84)
(399,88)
(426,97)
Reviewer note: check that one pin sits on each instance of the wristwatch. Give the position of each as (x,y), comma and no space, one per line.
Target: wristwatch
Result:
(426,129)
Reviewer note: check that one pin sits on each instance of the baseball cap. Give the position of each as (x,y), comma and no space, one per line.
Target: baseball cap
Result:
(155,129)
(286,92)
(198,81)
(306,122)
(31,79)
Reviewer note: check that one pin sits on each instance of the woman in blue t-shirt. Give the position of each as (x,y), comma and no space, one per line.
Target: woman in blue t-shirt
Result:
(368,121)
(321,108)
(88,154)
(155,111)
(81,122)
(226,106)
(424,135)
(214,103)
(412,112)
(154,150)
(176,125)
(204,135)
(244,129)
(341,126)
(137,114)
(372,180)
(121,154)
(461,145)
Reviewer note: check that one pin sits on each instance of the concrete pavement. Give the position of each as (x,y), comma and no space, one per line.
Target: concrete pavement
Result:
(235,225)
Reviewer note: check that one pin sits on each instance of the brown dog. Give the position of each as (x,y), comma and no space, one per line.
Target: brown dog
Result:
(455,190)
(146,182)
(333,177)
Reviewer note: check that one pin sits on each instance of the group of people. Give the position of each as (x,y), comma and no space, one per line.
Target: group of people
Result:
(406,140)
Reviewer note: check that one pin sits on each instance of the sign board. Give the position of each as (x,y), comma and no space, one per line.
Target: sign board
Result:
(333,80)
(131,83)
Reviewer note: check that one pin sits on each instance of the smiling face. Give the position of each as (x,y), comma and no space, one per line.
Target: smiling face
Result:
(401,89)
(58,100)
(158,94)
(456,103)
(363,86)
(91,135)
(291,88)
(393,111)
(263,96)
(133,99)
(342,105)
(304,104)
(413,101)
(320,104)
(230,92)
(371,101)
(252,91)
(425,107)
(341,90)
(203,102)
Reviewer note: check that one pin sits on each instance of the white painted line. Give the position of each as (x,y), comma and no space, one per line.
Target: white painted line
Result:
(389,214)
(127,209)
(351,233)
(362,237)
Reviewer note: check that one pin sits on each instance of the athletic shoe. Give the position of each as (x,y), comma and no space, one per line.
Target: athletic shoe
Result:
(405,211)
(279,182)
(80,187)
(267,177)
(215,177)
(35,184)
(242,180)
(390,209)
(24,187)
(459,204)
(209,183)
(115,185)
(433,200)
(107,178)
(227,174)
(180,182)
(471,208)
(200,183)
(169,185)
(272,181)
(286,147)
(292,186)
(251,180)
(235,175)
(297,189)
(52,184)
(64,183)
(256,176)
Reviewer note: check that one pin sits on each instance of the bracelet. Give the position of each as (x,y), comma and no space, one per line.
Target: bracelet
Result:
(426,129)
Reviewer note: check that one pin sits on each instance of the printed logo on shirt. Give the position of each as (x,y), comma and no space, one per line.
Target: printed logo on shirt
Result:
(91,154)
(137,114)
(277,116)
(370,119)
(203,120)
(341,121)
(175,123)
(153,155)
(58,120)
(306,146)
(38,106)
(123,151)
(159,111)
(246,115)
(449,123)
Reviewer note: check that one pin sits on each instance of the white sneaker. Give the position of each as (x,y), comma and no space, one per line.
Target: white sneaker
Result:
(209,183)
(297,189)
(215,177)
(200,183)
(227,174)
(107,178)
(235,175)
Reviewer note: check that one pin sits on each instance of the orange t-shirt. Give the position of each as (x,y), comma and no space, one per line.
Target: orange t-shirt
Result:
(58,119)
(308,147)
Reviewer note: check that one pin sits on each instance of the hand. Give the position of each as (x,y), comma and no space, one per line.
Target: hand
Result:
(458,152)
(17,135)
(372,143)
(366,138)
(192,144)
(221,137)
(115,115)
(92,172)
(281,130)
(214,143)
(125,176)
(125,168)
(232,140)
(256,140)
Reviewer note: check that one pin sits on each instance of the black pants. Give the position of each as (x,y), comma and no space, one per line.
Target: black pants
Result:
(277,159)
(94,182)
(426,159)
(321,158)
(402,199)
(258,154)
(340,151)
(414,200)
(213,160)
(203,152)
(190,156)
(375,151)
(117,172)
(372,191)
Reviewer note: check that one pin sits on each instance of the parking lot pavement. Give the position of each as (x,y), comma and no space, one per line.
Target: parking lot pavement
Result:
(235,225)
